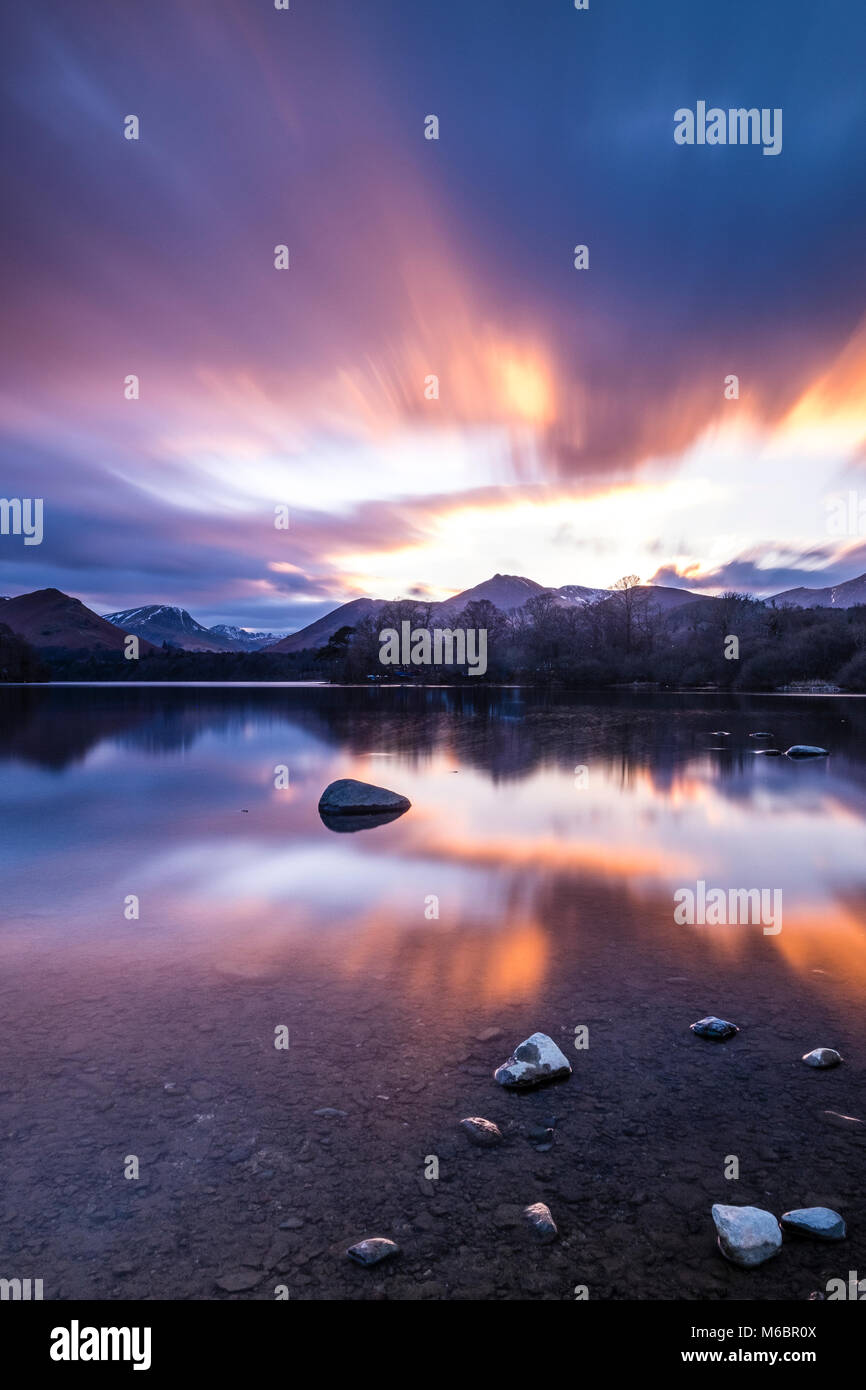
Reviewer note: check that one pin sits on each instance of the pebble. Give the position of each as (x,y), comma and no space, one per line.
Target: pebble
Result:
(822,1057)
(541,1139)
(291,1223)
(328,1113)
(541,1221)
(372,1251)
(821,1222)
(484,1133)
(715,1028)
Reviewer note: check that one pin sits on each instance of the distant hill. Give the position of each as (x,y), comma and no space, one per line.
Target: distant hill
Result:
(48,618)
(316,634)
(245,639)
(162,622)
(505,591)
(158,623)
(847,595)
(663,598)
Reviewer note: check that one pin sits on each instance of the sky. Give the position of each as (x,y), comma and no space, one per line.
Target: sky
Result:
(582,429)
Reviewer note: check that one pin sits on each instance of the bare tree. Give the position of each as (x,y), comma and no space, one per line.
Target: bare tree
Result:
(627,597)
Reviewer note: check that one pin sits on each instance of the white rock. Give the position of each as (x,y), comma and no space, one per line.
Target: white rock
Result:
(747,1235)
(535,1060)
(822,1057)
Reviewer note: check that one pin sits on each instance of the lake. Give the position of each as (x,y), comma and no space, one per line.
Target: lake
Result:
(173,906)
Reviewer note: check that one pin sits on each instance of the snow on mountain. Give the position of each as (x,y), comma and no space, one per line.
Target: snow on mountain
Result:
(846,595)
(161,622)
(246,638)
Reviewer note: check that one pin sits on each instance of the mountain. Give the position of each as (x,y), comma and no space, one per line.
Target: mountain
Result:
(160,623)
(504,591)
(846,595)
(49,618)
(245,639)
(316,634)
(664,598)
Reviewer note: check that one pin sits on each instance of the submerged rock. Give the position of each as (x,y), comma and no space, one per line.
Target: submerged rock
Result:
(484,1133)
(822,1057)
(747,1236)
(541,1221)
(762,733)
(850,1123)
(536,1060)
(715,1028)
(806,750)
(768,752)
(350,798)
(821,1222)
(372,1251)
(541,1139)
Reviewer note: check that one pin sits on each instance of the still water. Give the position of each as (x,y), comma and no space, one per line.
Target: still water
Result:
(530,886)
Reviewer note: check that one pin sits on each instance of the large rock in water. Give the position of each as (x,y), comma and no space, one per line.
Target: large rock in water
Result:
(350,798)
(534,1061)
(747,1235)
(806,750)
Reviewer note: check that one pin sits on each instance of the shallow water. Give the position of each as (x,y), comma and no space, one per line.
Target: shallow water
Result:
(551,834)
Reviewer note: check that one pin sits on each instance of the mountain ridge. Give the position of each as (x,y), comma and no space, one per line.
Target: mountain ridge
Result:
(49,618)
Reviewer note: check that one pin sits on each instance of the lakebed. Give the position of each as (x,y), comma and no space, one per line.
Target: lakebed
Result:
(153,1036)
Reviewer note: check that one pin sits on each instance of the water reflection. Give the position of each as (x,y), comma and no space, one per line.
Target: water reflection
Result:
(170,794)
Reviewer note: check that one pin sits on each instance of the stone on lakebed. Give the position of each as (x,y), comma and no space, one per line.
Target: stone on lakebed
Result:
(747,1236)
(822,1057)
(535,1061)
(541,1221)
(484,1133)
(806,750)
(715,1028)
(372,1251)
(821,1222)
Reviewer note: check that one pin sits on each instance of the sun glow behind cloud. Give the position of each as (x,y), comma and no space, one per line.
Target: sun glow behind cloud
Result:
(580,430)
